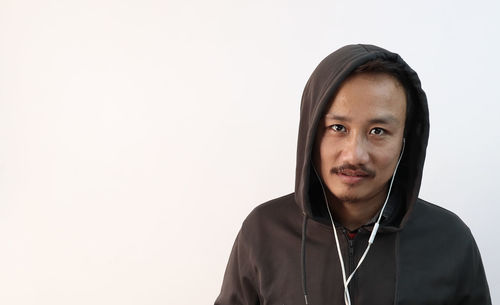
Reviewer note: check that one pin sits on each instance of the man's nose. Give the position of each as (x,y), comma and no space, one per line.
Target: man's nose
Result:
(355,151)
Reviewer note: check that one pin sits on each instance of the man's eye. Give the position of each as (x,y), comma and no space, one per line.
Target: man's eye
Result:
(377,131)
(337,128)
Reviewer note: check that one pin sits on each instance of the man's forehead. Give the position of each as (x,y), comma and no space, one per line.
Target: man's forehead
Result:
(377,97)
(386,118)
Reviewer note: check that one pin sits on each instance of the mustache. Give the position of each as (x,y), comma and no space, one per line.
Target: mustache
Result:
(358,170)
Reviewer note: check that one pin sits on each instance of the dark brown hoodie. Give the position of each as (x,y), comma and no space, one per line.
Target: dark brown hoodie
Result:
(422,254)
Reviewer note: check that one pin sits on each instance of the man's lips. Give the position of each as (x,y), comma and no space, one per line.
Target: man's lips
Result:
(351,174)
(352,179)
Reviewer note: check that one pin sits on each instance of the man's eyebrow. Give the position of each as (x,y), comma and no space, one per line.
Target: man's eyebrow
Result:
(335,117)
(386,119)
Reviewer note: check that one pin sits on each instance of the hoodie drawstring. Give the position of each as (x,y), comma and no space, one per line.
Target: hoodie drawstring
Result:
(303,257)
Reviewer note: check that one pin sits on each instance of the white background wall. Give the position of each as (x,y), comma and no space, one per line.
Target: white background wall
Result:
(135,136)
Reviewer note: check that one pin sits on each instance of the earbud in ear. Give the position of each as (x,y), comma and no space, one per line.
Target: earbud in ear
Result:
(402,149)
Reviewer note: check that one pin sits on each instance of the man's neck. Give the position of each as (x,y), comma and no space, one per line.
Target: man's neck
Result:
(354,214)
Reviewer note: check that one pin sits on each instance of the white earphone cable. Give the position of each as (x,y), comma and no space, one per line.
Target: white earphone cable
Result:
(347,298)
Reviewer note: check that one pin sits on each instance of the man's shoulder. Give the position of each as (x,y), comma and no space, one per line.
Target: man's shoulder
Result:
(436,217)
(278,210)
(280,204)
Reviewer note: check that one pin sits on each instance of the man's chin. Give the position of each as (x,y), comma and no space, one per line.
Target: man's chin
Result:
(347,195)
(352,198)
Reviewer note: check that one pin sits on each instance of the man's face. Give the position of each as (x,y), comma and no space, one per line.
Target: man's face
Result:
(359,139)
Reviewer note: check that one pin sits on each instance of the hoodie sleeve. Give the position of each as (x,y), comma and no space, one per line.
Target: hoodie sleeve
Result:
(475,286)
(238,286)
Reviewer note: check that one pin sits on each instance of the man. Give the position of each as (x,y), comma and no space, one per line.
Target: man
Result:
(354,231)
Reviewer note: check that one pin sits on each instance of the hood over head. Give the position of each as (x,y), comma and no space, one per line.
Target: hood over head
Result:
(320,90)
